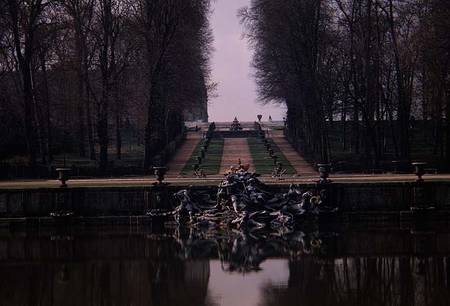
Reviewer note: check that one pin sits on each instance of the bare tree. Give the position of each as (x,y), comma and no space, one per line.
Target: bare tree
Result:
(356,60)
(24,21)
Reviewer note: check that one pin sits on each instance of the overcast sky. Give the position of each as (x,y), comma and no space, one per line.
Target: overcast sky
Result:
(231,69)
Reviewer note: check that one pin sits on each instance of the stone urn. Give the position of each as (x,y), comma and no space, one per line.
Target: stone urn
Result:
(63,176)
(324,172)
(159,173)
(419,170)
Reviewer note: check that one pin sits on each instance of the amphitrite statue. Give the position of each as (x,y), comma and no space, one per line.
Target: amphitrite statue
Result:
(236,125)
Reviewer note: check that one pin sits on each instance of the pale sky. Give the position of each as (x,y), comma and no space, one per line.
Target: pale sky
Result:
(231,69)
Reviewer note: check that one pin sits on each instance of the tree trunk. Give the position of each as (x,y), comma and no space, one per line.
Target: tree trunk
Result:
(107,50)
(81,133)
(102,131)
(118,137)
(24,56)
(344,126)
(149,143)
(87,101)
(48,123)
(38,119)
(355,131)
(447,113)
(152,130)
(118,120)
(403,107)
(29,113)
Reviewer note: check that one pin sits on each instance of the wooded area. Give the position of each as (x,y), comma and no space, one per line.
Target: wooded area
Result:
(372,73)
(74,74)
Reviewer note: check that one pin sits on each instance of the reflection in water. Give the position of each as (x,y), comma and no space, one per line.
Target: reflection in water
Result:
(99,270)
(119,267)
(245,289)
(363,281)
(244,251)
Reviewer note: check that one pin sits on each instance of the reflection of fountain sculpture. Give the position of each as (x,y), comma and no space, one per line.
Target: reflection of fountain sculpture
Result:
(242,201)
(236,125)
(244,251)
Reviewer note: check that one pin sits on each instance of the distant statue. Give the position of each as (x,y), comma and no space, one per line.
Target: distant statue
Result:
(412,122)
(198,171)
(245,167)
(236,125)
(279,171)
(242,166)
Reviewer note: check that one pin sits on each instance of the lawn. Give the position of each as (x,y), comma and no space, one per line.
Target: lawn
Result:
(212,161)
(422,147)
(261,159)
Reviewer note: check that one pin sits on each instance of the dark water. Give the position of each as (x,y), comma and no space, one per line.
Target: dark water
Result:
(140,266)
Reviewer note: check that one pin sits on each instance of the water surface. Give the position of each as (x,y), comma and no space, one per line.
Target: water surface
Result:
(140,266)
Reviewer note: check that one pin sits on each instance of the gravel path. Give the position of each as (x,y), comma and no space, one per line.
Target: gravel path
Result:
(235,148)
(302,167)
(183,154)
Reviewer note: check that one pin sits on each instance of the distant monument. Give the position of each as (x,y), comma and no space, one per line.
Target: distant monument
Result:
(236,125)
(236,130)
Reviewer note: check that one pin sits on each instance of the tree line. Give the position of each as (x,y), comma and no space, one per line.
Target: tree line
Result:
(369,68)
(74,72)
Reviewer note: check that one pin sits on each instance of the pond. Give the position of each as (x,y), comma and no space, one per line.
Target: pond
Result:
(315,265)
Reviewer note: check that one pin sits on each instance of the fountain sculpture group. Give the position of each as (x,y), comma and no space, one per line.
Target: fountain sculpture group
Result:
(243,201)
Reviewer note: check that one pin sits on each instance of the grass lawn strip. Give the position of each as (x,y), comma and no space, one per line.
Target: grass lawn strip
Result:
(211,162)
(261,159)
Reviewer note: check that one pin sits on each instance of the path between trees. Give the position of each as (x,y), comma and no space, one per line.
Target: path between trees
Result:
(235,148)
(183,154)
